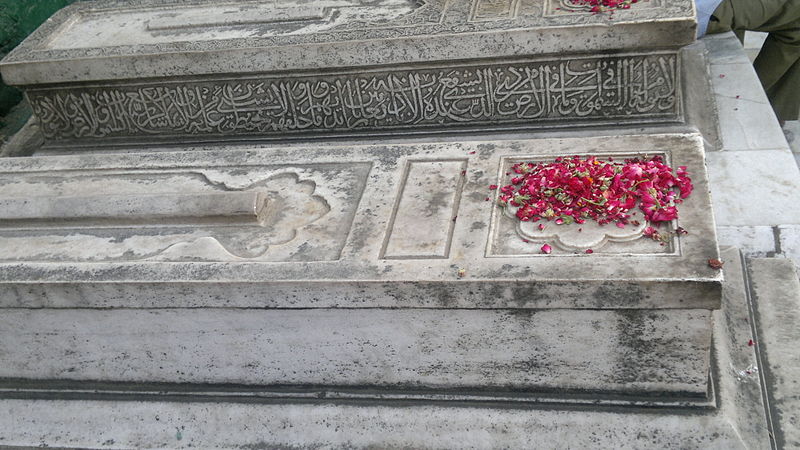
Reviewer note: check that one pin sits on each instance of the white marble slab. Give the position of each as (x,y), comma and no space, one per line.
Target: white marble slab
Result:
(754,187)
(345,216)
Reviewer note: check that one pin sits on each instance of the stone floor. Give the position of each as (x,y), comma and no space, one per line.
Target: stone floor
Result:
(752,45)
(755,181)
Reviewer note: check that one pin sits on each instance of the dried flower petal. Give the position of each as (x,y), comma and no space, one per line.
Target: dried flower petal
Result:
(715,264)
(577,189)
(589,251)
(599,6)
(546,249)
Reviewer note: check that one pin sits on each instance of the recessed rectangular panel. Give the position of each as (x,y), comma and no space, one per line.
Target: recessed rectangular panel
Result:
(426,208)
(488,10)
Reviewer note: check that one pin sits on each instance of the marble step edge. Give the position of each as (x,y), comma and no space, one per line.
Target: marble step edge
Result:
(511,294)
(60,389)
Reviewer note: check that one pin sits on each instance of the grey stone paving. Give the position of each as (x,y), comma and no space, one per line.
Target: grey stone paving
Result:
(755,181)
(776,298)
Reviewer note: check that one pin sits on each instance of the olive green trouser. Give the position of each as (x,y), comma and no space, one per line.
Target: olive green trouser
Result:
(778,63)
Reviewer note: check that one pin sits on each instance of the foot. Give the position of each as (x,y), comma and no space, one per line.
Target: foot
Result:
(788,134)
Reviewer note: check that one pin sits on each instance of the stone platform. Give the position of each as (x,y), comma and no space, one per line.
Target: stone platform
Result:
(120,415)
(355,267)
(100,73)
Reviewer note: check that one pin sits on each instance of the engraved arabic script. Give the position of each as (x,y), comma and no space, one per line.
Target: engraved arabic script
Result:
(627,88)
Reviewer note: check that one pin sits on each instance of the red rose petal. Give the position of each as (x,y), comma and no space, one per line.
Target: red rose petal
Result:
(577,189)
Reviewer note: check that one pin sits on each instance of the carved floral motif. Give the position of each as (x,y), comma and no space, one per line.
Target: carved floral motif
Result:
(575,237)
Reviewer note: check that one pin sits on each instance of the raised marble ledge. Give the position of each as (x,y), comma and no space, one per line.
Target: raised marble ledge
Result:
(90,41)
(306,269)
(226,207)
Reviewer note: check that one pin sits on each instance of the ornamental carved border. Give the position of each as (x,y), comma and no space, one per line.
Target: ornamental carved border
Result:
(538,93)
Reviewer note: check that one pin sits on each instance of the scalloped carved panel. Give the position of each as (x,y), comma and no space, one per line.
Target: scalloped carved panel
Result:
(277,213)
(512,237)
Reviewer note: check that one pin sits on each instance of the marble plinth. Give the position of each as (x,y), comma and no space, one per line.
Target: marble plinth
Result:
(156,70)
(353,267)
(117,415)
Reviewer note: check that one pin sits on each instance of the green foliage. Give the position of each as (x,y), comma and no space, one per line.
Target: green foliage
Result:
(18,19)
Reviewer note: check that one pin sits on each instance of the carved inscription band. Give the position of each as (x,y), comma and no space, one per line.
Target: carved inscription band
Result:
(631,88)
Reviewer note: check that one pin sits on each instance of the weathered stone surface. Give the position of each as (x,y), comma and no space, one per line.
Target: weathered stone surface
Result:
(776,298)
(775,181)
(737,363)
(346,66)
(630,351)
(247,36)
(308,426)
(120,416)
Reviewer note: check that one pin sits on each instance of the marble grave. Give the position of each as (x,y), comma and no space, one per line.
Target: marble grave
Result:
(287,201)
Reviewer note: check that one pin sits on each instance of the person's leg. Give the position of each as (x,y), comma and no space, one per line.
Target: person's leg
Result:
(778,63)
(781,83)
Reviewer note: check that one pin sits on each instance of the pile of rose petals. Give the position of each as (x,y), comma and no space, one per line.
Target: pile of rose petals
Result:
(576,189)
(598,6)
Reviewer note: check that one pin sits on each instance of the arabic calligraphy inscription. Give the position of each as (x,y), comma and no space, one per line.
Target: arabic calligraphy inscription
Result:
(633,88)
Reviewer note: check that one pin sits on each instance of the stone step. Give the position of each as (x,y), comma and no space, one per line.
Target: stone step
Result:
(775,290)
(145,71)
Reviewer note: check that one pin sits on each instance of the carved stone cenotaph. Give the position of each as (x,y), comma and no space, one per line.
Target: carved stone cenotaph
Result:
(286,204)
